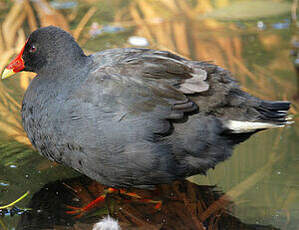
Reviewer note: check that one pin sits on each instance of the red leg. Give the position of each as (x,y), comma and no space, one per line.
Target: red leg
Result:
(134,195)
(81,210)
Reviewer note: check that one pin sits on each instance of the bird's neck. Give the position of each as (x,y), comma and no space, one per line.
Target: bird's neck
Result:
(66,69)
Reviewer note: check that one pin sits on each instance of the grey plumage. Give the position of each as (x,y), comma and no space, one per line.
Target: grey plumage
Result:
(139,117)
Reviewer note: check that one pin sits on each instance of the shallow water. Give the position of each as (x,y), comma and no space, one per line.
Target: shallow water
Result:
(260,179)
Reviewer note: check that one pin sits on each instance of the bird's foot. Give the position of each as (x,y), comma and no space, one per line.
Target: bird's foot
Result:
(80,211)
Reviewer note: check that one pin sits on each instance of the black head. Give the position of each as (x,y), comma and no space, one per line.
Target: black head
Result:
(47,49)
(50,47)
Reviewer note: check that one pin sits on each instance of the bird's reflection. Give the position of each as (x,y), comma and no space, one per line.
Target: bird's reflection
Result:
(185,206)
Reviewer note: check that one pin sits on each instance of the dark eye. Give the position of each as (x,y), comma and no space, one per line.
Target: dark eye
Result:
(32,49)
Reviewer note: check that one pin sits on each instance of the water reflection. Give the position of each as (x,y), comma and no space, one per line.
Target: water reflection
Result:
(185,206)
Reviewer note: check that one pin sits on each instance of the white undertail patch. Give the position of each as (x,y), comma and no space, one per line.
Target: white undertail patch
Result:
(250,126)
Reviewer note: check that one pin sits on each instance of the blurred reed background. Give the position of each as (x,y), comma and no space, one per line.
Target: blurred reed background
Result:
(262,174)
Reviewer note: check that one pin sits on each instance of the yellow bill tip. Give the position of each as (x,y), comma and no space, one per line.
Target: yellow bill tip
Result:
(7,73)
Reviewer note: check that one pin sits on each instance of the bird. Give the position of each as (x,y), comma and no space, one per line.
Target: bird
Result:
(134,117)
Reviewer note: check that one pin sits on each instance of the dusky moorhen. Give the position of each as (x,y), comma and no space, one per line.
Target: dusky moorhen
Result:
(134,117)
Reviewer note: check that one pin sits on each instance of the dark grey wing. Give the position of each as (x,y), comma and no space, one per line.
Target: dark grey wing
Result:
(161,66)
(166,68)
(114,128)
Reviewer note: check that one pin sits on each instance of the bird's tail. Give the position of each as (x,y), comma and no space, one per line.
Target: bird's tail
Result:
(273,114)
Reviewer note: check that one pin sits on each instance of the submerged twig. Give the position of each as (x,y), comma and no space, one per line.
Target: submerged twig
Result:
(16,201)
(2,225)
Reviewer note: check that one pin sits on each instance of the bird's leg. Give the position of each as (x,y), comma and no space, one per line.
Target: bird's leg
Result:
(81,210)
(157,202)
(134,195)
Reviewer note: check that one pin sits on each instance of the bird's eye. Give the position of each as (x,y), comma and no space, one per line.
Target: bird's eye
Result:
(32,49)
